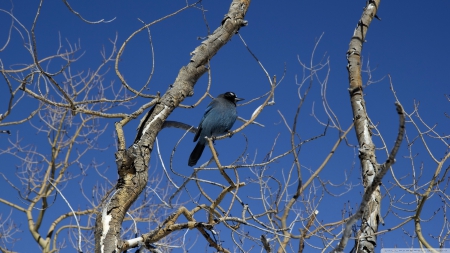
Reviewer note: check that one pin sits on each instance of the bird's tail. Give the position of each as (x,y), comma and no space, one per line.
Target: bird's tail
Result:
(196,153)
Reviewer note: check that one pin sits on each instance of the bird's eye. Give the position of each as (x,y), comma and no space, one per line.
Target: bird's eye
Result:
(232,94)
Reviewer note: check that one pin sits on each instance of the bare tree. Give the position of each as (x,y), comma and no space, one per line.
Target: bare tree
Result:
(369,211)
(277,203)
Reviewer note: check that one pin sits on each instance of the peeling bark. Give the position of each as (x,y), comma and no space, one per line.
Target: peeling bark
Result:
(133,162)
(366,240)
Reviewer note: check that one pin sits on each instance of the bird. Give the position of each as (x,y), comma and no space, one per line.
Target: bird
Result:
(218,119)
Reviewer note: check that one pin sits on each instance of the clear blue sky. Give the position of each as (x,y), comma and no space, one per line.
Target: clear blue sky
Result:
(410,43)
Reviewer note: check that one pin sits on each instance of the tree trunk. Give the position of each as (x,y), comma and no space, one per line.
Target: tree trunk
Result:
(365,240)
(133,162)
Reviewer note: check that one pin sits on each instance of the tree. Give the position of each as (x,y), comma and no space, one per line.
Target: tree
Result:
(238,200)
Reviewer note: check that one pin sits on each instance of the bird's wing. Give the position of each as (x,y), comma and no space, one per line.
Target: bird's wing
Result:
(207,111)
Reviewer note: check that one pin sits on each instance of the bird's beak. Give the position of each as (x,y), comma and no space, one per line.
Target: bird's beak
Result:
(239,99)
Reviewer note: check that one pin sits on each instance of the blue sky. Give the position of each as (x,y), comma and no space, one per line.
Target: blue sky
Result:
(410,43)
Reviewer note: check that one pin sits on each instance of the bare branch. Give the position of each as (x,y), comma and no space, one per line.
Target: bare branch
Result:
(87,21)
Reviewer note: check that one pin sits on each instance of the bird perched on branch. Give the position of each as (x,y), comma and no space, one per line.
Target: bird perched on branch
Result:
(218,119)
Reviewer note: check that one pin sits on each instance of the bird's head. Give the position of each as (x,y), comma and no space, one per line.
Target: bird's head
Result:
(231,97)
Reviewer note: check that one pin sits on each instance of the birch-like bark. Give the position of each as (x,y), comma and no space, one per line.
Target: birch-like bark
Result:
(366,240)
(133,162)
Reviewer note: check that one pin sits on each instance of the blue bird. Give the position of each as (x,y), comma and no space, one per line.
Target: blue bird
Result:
(218,119)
